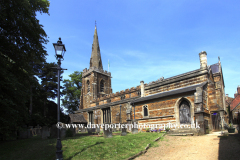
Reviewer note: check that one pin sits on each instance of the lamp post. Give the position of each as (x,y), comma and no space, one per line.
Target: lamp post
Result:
(59,53)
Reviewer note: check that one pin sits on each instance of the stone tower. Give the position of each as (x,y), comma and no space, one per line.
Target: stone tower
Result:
(96,82)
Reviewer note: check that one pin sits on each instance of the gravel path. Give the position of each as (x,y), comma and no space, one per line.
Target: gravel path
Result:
(195,148)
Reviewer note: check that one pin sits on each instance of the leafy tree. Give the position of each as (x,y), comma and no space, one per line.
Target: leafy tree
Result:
(72,92)
(21,55)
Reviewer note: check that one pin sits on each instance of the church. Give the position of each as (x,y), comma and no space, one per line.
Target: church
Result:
(197,97)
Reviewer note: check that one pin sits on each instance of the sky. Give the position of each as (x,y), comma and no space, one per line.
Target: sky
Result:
(146,39)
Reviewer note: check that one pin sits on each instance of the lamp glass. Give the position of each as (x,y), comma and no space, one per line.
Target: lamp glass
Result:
(58,50)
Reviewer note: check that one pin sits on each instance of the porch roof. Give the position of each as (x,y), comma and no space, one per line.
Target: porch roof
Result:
(77,118)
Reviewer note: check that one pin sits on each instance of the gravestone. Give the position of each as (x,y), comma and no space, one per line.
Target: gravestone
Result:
(73,131)
(38,130)
(135,128)
(63,132)
(54,131)
(89,130)
(98,130)
(124,131)
(93,129)
(107,131)
(45,132)
(29,133)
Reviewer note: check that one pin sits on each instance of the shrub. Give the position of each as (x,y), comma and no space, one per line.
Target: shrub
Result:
(69,133)
(167,129)
(147,129)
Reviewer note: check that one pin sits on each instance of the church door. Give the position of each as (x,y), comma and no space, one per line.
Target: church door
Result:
(184,113)
(215,121)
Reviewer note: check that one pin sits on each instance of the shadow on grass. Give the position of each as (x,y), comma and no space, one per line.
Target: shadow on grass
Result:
(97,143)
(28,149)
(229,147)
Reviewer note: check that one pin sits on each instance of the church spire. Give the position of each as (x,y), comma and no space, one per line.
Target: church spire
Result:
(96,60)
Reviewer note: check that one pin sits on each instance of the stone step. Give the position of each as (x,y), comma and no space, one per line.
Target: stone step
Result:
(182,131)
(182,134)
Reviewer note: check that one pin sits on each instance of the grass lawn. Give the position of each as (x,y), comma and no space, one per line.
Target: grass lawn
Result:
(78,147)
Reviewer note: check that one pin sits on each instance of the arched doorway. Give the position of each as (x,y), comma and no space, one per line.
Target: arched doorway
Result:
(184,113)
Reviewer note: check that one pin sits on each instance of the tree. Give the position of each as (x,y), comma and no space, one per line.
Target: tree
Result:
(21,53)
(72,92)
(49,82)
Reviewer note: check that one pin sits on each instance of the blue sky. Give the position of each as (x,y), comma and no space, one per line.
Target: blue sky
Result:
(145,40)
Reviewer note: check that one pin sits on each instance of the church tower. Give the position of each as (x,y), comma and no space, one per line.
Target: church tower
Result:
(96,82)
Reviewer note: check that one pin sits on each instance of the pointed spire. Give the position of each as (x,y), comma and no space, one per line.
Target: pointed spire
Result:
(96,60)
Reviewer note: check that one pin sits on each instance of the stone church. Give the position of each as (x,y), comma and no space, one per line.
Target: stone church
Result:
(193,97)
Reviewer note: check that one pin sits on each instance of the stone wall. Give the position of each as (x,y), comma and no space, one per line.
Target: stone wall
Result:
(163,109)
(212,101)
(115,113)
(218,90)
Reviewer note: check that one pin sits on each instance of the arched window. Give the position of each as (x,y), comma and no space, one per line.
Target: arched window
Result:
(184,112)
(88,86)
(102,86)
(145,111)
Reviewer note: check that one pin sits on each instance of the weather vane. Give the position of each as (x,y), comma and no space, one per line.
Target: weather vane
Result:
(95,23)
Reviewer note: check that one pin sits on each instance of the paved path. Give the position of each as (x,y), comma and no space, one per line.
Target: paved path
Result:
(207,147)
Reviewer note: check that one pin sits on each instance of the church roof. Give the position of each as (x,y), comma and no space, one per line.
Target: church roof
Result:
(215,68)
(169,93)
(95,60)
(77,118)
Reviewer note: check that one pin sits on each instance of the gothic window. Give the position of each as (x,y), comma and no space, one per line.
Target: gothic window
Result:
(88,86)
(90,117)
(106,115)
(145,111)
(184,112)
(102,86)
(122,97)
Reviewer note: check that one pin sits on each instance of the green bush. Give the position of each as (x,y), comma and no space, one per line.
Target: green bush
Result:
(69,133)
(167,129)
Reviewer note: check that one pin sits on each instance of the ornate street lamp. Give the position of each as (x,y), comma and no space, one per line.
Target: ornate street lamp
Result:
(59,53)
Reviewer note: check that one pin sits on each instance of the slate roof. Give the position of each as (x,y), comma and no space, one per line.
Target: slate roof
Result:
(77,118)
(215,68)
(169,93)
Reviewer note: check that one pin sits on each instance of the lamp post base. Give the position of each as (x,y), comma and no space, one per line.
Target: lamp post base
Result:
(59,155)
